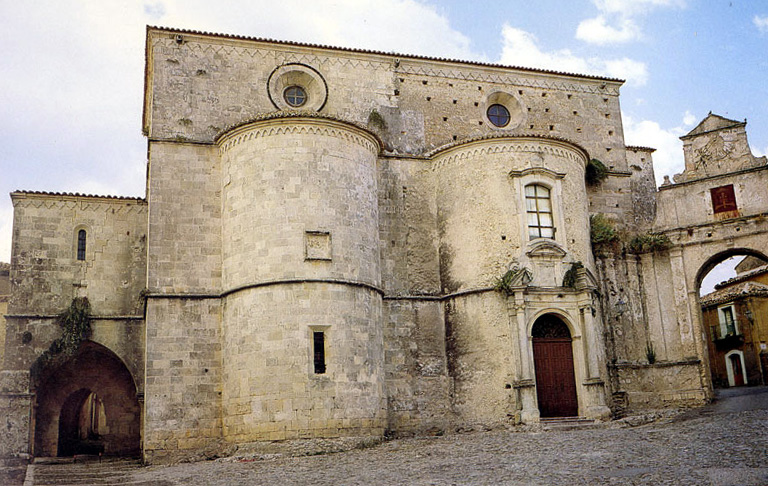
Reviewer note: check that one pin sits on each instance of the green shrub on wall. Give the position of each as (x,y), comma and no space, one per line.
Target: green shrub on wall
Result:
(75,325)
(602,230)
(596,172)
(649,242)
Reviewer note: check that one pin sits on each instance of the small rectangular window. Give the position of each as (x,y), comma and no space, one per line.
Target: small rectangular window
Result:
(81,236)
(318,338)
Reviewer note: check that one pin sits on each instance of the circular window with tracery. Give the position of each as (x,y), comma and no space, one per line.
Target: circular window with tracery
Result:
(498,115)
(295,95)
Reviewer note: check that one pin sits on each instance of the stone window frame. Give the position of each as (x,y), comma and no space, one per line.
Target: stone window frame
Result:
(88,243)
(551,180)
(513,105)
(306,77)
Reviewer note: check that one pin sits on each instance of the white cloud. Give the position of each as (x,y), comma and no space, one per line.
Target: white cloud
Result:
(634,7)
(597,31)
(761,23)
(364,24)
(668,158)
(635,72)
(616,23)
(521,49)
(689,118)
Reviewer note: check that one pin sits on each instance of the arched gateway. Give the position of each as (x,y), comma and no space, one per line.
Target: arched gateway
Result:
(553,360)
(88,405)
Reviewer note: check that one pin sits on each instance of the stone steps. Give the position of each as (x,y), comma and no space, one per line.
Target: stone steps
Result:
(567,423)
(82,470)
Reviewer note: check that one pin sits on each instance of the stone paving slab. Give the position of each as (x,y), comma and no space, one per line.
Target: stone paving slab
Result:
(717,450)
(705,447)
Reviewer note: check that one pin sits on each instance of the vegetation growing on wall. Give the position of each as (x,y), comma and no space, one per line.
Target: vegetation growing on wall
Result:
(596,172)
(602,231)
(504,283)
(649,242)
(75,325)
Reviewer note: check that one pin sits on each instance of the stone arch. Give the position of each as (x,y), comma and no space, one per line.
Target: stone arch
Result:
(722,255)
(62,392)
(575,332)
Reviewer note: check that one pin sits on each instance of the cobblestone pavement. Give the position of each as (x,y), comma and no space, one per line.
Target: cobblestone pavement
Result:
(717,445)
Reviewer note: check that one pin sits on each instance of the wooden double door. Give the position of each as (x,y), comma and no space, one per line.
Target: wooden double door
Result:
(553,360)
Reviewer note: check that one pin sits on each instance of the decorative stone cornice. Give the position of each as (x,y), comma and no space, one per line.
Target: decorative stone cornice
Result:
(537,171)
(50,200)
(500,144)
(297,123)
(550,79)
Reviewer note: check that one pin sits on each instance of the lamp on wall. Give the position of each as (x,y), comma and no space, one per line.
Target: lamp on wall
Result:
(749,315)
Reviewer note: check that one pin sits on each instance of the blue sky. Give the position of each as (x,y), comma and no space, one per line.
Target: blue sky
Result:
(72,71)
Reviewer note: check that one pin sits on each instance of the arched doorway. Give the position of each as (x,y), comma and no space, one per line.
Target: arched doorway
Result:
(553,360)
(87,405)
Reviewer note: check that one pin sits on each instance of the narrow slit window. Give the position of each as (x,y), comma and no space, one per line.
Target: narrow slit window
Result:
(81,237)
(318,338)
(539,212)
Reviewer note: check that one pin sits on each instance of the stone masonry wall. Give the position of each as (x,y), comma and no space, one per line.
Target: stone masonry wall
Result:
(184,190)
(45,270)
(182,417)
(414,105)
(272,390)
(418,389)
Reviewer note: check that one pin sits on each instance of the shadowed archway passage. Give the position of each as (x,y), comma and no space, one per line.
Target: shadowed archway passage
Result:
(88,405)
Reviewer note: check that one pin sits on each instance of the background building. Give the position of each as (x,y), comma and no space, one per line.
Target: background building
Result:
(736,320)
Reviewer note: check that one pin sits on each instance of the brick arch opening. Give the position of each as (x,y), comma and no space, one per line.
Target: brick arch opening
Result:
(94,381)
(553,362)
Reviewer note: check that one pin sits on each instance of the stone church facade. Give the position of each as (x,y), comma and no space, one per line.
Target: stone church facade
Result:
(338,243)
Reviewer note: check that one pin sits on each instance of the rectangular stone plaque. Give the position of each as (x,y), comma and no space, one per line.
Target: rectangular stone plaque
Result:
(318,245)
